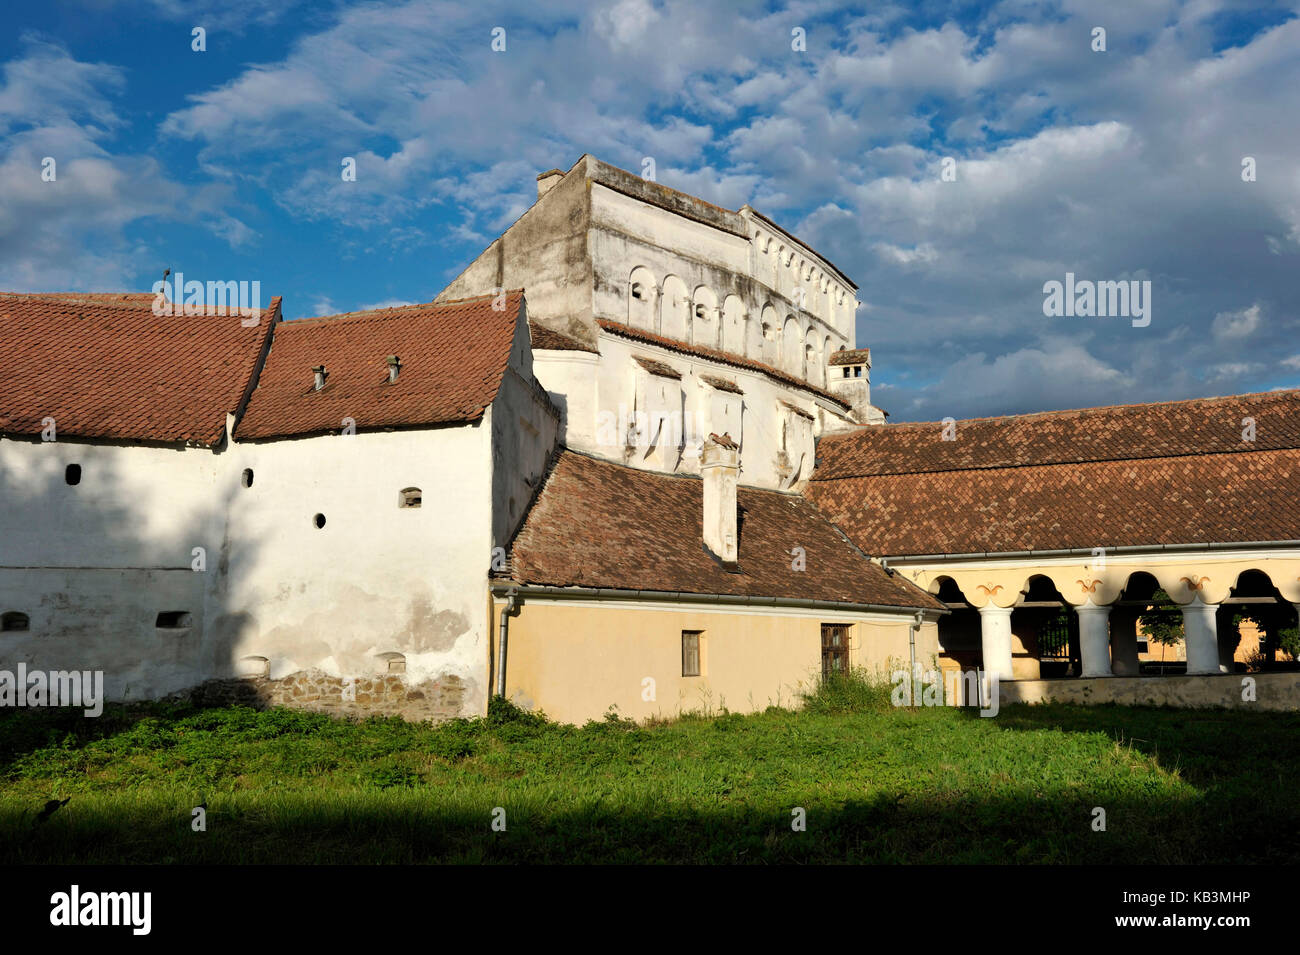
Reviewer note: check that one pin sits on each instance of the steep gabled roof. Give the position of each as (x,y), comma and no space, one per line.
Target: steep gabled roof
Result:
(452,359)
(1126,476)
(600,524)
(105,366)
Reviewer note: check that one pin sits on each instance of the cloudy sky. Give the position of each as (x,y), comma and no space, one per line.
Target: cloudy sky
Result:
(1122,164)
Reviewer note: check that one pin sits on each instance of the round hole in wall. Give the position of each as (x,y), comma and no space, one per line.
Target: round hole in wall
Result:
(319,520)
(247,479)
(72,474)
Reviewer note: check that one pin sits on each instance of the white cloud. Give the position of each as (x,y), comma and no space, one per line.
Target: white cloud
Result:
(1239,324)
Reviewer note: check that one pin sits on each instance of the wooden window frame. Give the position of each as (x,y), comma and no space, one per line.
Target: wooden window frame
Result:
(698,653)
(832,651)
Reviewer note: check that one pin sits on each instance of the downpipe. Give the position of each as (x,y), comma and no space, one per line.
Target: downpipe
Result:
(911,645)
(503,636)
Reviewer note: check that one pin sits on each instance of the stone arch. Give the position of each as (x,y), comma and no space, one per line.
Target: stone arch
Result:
(642,293)
(675,309)
(816,372)
(791,346)
(733,325)
(706,324)
(769,337)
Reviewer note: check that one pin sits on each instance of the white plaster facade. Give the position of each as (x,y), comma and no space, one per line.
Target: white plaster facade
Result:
(721,290)
(93,565)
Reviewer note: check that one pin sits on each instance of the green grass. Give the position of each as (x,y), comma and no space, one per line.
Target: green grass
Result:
(878,785)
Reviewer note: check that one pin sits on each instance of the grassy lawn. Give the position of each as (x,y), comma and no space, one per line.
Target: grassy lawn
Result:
(878,784)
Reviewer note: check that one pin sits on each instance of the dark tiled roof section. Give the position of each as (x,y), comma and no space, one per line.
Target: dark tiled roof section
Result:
(548,339)
(453,357)
(599,524)
(857,356)
(1118,433)
(1190,499)
(657,367)
(722,384)
(104,366)
(713,354)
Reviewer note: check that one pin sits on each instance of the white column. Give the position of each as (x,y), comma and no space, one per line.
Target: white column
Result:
(1202,636)
(1094,639)
(995,639)
(1123,645)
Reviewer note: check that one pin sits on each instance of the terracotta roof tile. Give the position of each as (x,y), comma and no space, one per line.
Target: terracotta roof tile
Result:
(1170,473)
(453,356)
(856,356)
(549,339)
(657,367)
(104,366)
(1115,433)
(713,354)
(1194,499)
(600,524)
(722,384)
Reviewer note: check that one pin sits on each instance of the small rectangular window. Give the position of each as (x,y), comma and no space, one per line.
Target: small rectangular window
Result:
(691,652)
(835,649)
(173,620)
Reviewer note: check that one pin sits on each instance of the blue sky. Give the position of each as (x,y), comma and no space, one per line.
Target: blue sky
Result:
(1123,164)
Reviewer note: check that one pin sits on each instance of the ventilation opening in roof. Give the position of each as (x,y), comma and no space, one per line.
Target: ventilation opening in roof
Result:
(172,620)
(72,474)
(247,479)
(319,520)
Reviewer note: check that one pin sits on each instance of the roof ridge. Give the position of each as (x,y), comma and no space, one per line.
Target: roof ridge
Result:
(1046,464)
(128,306)
(395,311)
(898,425)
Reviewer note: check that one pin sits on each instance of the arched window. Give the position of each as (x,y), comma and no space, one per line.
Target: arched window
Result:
(72,474)
(247,479)
(393,662)
(410,497)
(13,621)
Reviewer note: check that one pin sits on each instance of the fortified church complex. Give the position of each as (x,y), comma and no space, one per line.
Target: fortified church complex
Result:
(627,458)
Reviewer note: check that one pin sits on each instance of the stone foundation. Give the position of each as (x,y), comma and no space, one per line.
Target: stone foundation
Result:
(388,695)
(1273,691)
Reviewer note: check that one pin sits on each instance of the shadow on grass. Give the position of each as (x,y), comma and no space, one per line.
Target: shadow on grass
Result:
(428,827)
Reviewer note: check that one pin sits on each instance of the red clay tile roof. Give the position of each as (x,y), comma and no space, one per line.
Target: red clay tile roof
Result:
(600,524)
(713,354)
(722,384)
(657,367)
(856,356)
(1171,473)
(549,339)
(104,366)
(453,356)
(1115,433)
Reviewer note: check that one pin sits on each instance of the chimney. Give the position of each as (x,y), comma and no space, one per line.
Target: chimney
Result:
(394,366)
(720,468)
(321,375)
(547,180)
